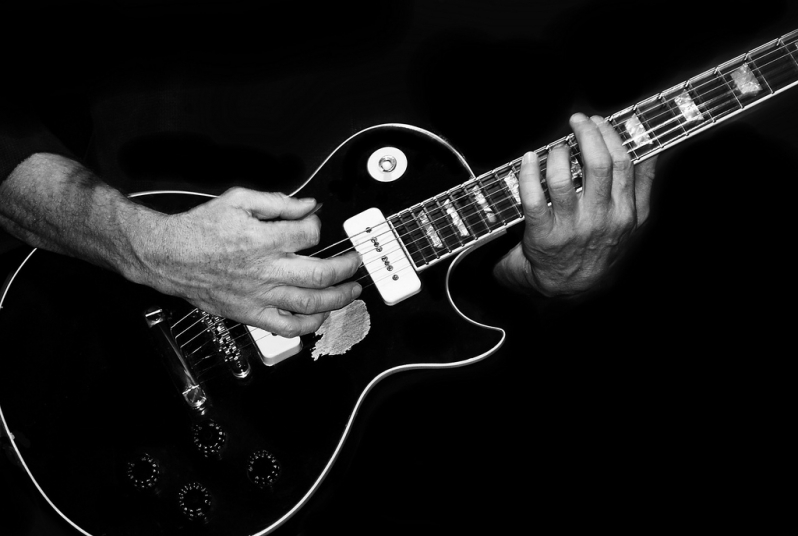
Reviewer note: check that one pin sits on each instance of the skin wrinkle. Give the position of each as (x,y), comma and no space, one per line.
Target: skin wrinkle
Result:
(217,256)
(570,246)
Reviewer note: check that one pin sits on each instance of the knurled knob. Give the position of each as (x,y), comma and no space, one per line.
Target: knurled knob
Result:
(195,501)
(208,438)
(263,469)
(143,472)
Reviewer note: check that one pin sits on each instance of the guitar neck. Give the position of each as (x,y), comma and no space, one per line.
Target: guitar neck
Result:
(449,222)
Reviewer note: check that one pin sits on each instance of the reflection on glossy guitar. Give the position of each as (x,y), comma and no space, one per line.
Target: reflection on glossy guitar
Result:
(134,413)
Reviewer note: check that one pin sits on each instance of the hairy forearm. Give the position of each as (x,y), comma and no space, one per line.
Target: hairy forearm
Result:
(55,203)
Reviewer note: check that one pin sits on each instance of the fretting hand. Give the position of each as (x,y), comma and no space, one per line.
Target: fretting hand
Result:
(569,247)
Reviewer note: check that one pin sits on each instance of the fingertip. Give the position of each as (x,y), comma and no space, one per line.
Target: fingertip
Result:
(578,117)
(357,289)
(530,157)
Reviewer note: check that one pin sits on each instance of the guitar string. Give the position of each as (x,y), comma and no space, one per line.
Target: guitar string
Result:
(443,239)
(498,211)
(725,94)
(711,79)
(542,164)
(780,69)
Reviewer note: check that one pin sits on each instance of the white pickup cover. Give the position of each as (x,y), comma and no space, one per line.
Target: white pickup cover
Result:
(274,348)
(383,256)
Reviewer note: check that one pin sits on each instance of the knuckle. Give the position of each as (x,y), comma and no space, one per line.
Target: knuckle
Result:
(235,192)
(622,162)
(320,277)
(623,218)
(288,330)
(312,233)
(559,183)
(602,164)
(308,303)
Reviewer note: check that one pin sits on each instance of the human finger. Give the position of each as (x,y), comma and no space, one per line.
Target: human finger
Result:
(644,180)
(533,199)
(287,324)
(311,301)
(560,182)
(310,272)
(597,162)
(622,170)
(294,235)
(270,205)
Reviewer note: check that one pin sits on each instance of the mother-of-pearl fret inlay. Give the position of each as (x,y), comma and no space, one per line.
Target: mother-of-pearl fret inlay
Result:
(688,108)
(451,222)
(745,80)
(483,204)
(637,132)
(429,230)
(456,220)
(512,184)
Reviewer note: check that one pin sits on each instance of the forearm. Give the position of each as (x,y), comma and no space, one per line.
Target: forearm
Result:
(55,203)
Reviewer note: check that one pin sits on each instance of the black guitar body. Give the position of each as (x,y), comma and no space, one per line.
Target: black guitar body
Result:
(107,438)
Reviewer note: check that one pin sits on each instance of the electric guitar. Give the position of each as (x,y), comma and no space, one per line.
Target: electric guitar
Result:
(134,413)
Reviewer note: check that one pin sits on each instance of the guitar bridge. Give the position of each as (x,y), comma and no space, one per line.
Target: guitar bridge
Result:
(180,371)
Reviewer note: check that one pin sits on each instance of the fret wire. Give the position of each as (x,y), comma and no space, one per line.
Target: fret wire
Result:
(710,79)
(449,221)
(465,219)
(791,65)
(713,77)
(489,197)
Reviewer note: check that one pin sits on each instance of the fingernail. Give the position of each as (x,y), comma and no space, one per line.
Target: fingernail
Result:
(315,209)
(528,158)
(283,312)
(578,117)
(307,200)
(356,290)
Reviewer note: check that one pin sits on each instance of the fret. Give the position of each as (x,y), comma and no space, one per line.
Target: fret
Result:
(775,64)
(413,238)
(636,136)
(500,198)
(790,43)
(511,182)
(445,224)
(712,95)
(445,230)
(666,113)
(483,205)
(543,158)
(746,83)
(431,231)
(456,218)
(469,211)
(576,162)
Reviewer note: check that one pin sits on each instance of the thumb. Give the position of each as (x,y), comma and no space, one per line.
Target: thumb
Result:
(271,205)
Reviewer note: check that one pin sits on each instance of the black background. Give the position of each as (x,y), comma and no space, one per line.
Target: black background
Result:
(664,404)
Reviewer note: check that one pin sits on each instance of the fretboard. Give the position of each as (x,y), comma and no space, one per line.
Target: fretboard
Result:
(482,206)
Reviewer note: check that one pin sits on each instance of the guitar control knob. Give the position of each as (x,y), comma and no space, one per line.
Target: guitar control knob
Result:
(263,469)
(195,501)
(208,438)
(143,472)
